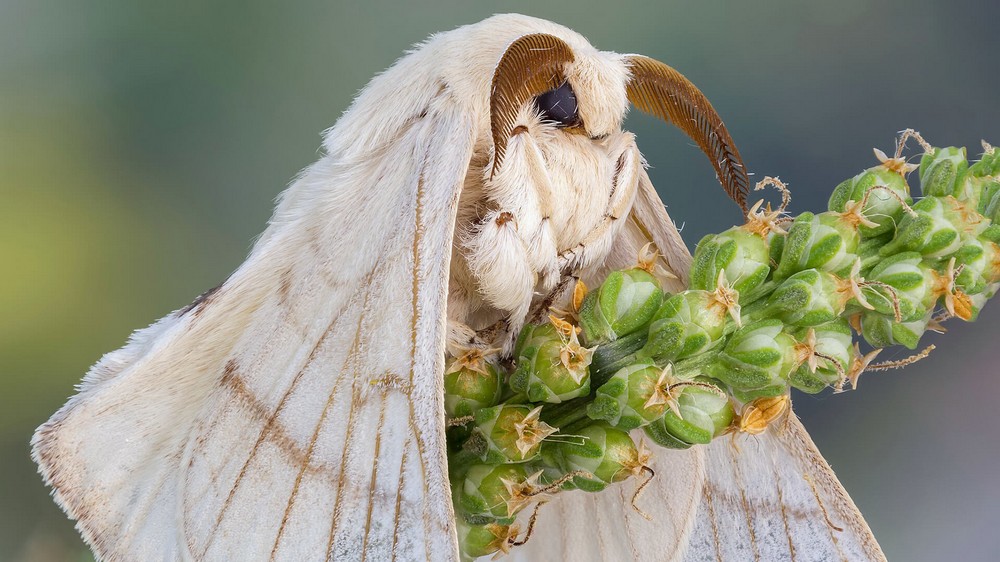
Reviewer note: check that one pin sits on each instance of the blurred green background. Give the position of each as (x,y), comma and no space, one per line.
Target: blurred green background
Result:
(142,144)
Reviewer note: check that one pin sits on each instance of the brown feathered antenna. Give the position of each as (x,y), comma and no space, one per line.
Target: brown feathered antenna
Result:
(662,91)
(531,65)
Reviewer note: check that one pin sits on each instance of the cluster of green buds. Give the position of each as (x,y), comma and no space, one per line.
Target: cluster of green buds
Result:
(774,304)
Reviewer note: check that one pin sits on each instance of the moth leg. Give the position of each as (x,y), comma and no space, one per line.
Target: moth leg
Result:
(596,245)
(497,258)
(511,252)
(460,335)
(524,188)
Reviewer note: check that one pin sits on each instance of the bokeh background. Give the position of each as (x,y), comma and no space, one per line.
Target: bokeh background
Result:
(142,144)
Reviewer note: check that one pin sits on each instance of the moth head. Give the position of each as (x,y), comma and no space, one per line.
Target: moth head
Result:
(585,91)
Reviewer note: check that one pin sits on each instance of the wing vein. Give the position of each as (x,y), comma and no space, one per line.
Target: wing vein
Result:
(628,524)
(266,430)
(738,478)
(418,232)
(312,441)
(711,517)
(371,484)
(784,512)
(399,497)
(826,516)
(352,358)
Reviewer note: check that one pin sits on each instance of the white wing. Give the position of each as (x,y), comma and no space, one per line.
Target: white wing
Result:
(774,498)
(296,412)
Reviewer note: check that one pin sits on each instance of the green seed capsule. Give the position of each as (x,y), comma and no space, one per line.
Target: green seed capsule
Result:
(687,324)
(941,171)
(880,330)
(704,412)
(486,490)
(881,208)
(623,304)
(606,454)
(551,366)
(807,298)
(630,399)
(825,241)
(912,282)
(828,352)
(471,383)
(508,433)
(757,356)
(743,256)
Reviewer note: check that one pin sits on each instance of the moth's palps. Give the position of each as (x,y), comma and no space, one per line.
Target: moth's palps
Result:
(296,412)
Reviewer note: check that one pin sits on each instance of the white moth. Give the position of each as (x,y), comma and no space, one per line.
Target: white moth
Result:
(296,413)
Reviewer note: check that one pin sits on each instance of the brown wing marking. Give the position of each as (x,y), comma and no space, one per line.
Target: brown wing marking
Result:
(232,381)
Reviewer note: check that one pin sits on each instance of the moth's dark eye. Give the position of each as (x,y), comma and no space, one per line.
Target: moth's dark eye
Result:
(559,105)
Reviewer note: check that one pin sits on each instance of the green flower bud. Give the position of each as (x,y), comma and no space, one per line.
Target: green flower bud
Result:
(976,192)
(988,201)
(988,165)
(912,284)
(941,171)
(551,365)
(827,352)
(507,433)
(826,241)
(868,250)
(776,246)
(770,391)
(486,490)
(482,539)
(471,383)
(623,304)
(931,230)
(605,453)
(881,208)
(702,411)
(743,256)
(657,433)
(978,301)
(978,262)
(880,330)
(990,234)
(808,298)
(687,324)
(633,397)
(756,356)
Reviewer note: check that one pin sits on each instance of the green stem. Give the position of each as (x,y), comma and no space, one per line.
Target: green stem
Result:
(562,415)
(610,357)
(693,366)
(765,289)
